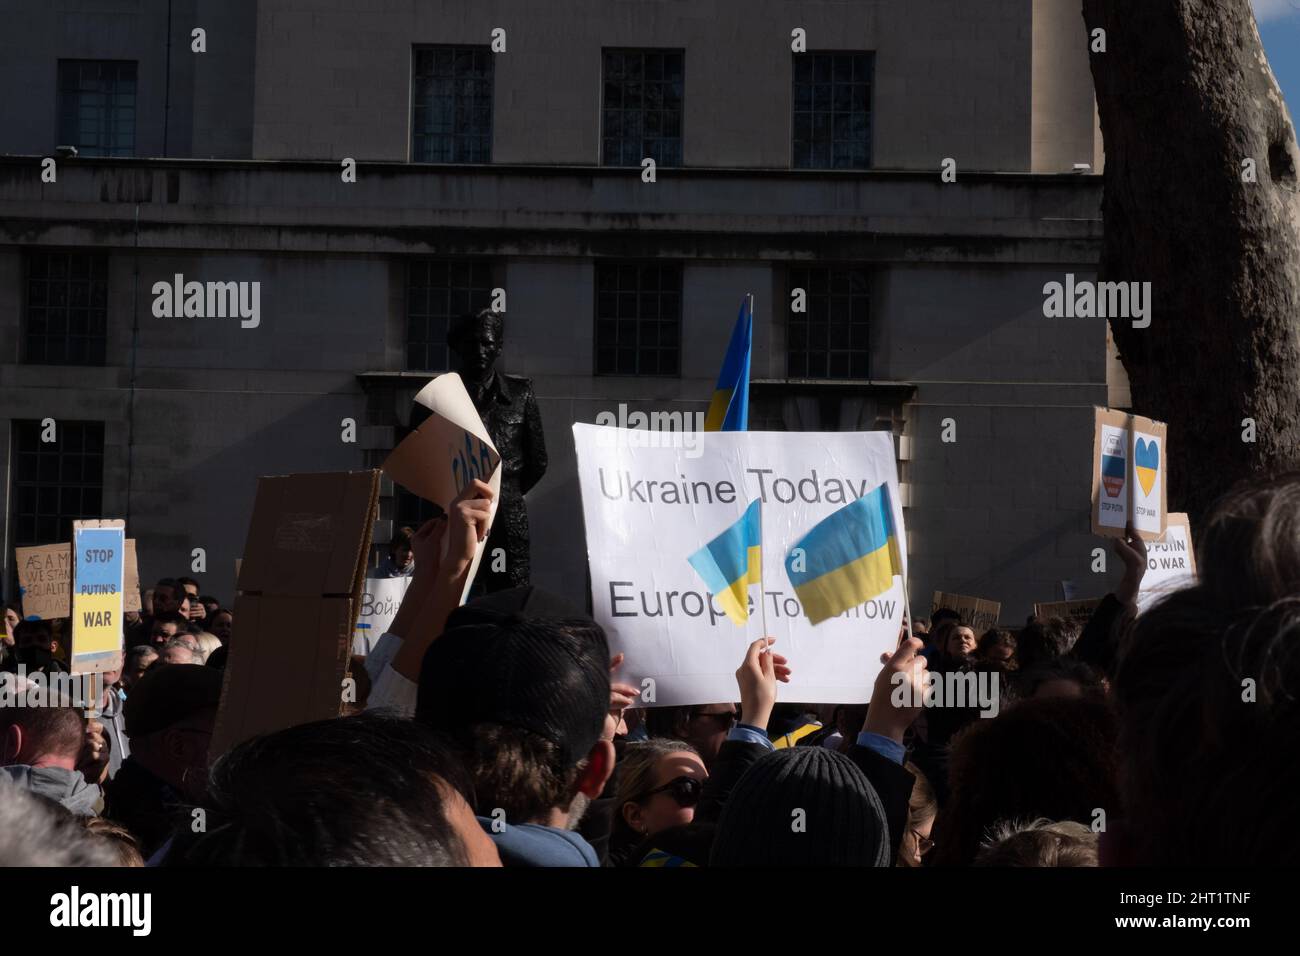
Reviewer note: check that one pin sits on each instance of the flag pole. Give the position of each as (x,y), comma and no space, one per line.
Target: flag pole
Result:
(762,571)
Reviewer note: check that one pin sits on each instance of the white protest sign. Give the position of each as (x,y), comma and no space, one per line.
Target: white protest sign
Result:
(648,507)
(1171,563)
(448,451)
(380,599)
(1129,469)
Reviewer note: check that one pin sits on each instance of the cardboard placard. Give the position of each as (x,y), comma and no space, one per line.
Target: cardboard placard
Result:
(979,614)
(379,603)
(98,570)
(449,450)
(1171,562)
(299,591)
(45,580)
(1129,471)
(1078,611)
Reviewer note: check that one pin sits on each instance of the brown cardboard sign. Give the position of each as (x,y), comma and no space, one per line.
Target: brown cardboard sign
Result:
(1129,474)
(45,580)
(299,592)
(978,614)
(1078,611)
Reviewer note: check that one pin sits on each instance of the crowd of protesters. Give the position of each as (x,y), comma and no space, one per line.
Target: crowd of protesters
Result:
(499,732)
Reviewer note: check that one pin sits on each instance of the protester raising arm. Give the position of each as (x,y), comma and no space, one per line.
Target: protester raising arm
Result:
(896,702)
(1098,645)
(434,593)
(756,677)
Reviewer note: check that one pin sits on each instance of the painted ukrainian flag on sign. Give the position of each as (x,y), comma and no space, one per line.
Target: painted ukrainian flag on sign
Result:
(733,561)
(729,409)
(847,558)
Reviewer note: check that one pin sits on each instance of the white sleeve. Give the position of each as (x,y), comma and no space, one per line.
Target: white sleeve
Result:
(394,693)
(382,654)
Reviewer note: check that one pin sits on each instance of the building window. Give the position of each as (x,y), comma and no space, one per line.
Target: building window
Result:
(97,106)
(642,110)
(829,340)
(439,291)
(56,482)
(67,308)
(451,104)
(638,318)
(832,110)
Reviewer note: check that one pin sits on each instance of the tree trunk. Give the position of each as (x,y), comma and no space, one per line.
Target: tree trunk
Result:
(1185,95)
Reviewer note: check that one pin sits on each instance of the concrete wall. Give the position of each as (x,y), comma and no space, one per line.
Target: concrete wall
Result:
(205,102)
(952,78)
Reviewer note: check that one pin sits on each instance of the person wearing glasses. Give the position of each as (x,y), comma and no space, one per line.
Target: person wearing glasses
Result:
(659,786)
(704,727)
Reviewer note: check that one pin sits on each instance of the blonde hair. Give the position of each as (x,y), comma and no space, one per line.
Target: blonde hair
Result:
(637,769)
(207,644)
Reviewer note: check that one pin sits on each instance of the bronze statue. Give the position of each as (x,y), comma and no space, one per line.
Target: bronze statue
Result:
(508,407)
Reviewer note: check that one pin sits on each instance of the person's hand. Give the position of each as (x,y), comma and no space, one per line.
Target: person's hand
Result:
(757,677)
(426,546)
(467,524)
(621,697)
(197,611)
(93,762)
(905,671)
(1132,550)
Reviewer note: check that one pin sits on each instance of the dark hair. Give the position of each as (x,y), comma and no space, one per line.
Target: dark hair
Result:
(1040,843)
(515,770)
(171,617)
(1053,758)
(186,582)
(41,631)
(1090,680)
(1206,692)
(1042,640)
(943,614)
(369,790)
(997,637)
(206,599)
(140,650)
(171,583)
(670,722)
(56,731)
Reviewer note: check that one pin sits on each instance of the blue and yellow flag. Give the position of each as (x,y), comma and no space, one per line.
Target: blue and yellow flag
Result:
(847,558)
(729,409)
(733,561)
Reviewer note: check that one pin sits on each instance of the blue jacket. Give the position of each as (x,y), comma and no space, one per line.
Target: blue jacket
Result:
(532,844)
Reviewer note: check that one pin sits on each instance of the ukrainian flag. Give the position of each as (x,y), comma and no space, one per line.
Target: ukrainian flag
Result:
(847,558)
(733,561)
(729,409)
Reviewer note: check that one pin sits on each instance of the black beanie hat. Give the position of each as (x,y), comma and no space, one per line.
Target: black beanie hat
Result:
(168,694)
(842,824)
(548,676)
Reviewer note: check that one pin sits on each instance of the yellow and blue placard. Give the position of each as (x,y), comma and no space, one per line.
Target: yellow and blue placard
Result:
(733,561)
(847,558)
(98,564)
(729,409)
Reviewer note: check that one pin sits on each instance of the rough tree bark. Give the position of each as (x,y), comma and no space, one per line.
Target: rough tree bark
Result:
(1185,94)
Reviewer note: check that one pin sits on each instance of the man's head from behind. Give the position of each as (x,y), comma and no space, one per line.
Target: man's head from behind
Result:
(170,714)
(41,736)
(356,791)
(523,699)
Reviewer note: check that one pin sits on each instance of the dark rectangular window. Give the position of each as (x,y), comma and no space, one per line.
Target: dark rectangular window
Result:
(829,339)
(56,482)
(451,104)
(67,308)
(641,116)
(97,106)
(832,110)
(638,318)
(437,292)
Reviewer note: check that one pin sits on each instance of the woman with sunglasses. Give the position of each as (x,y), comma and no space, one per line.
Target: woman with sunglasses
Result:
(660,782)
